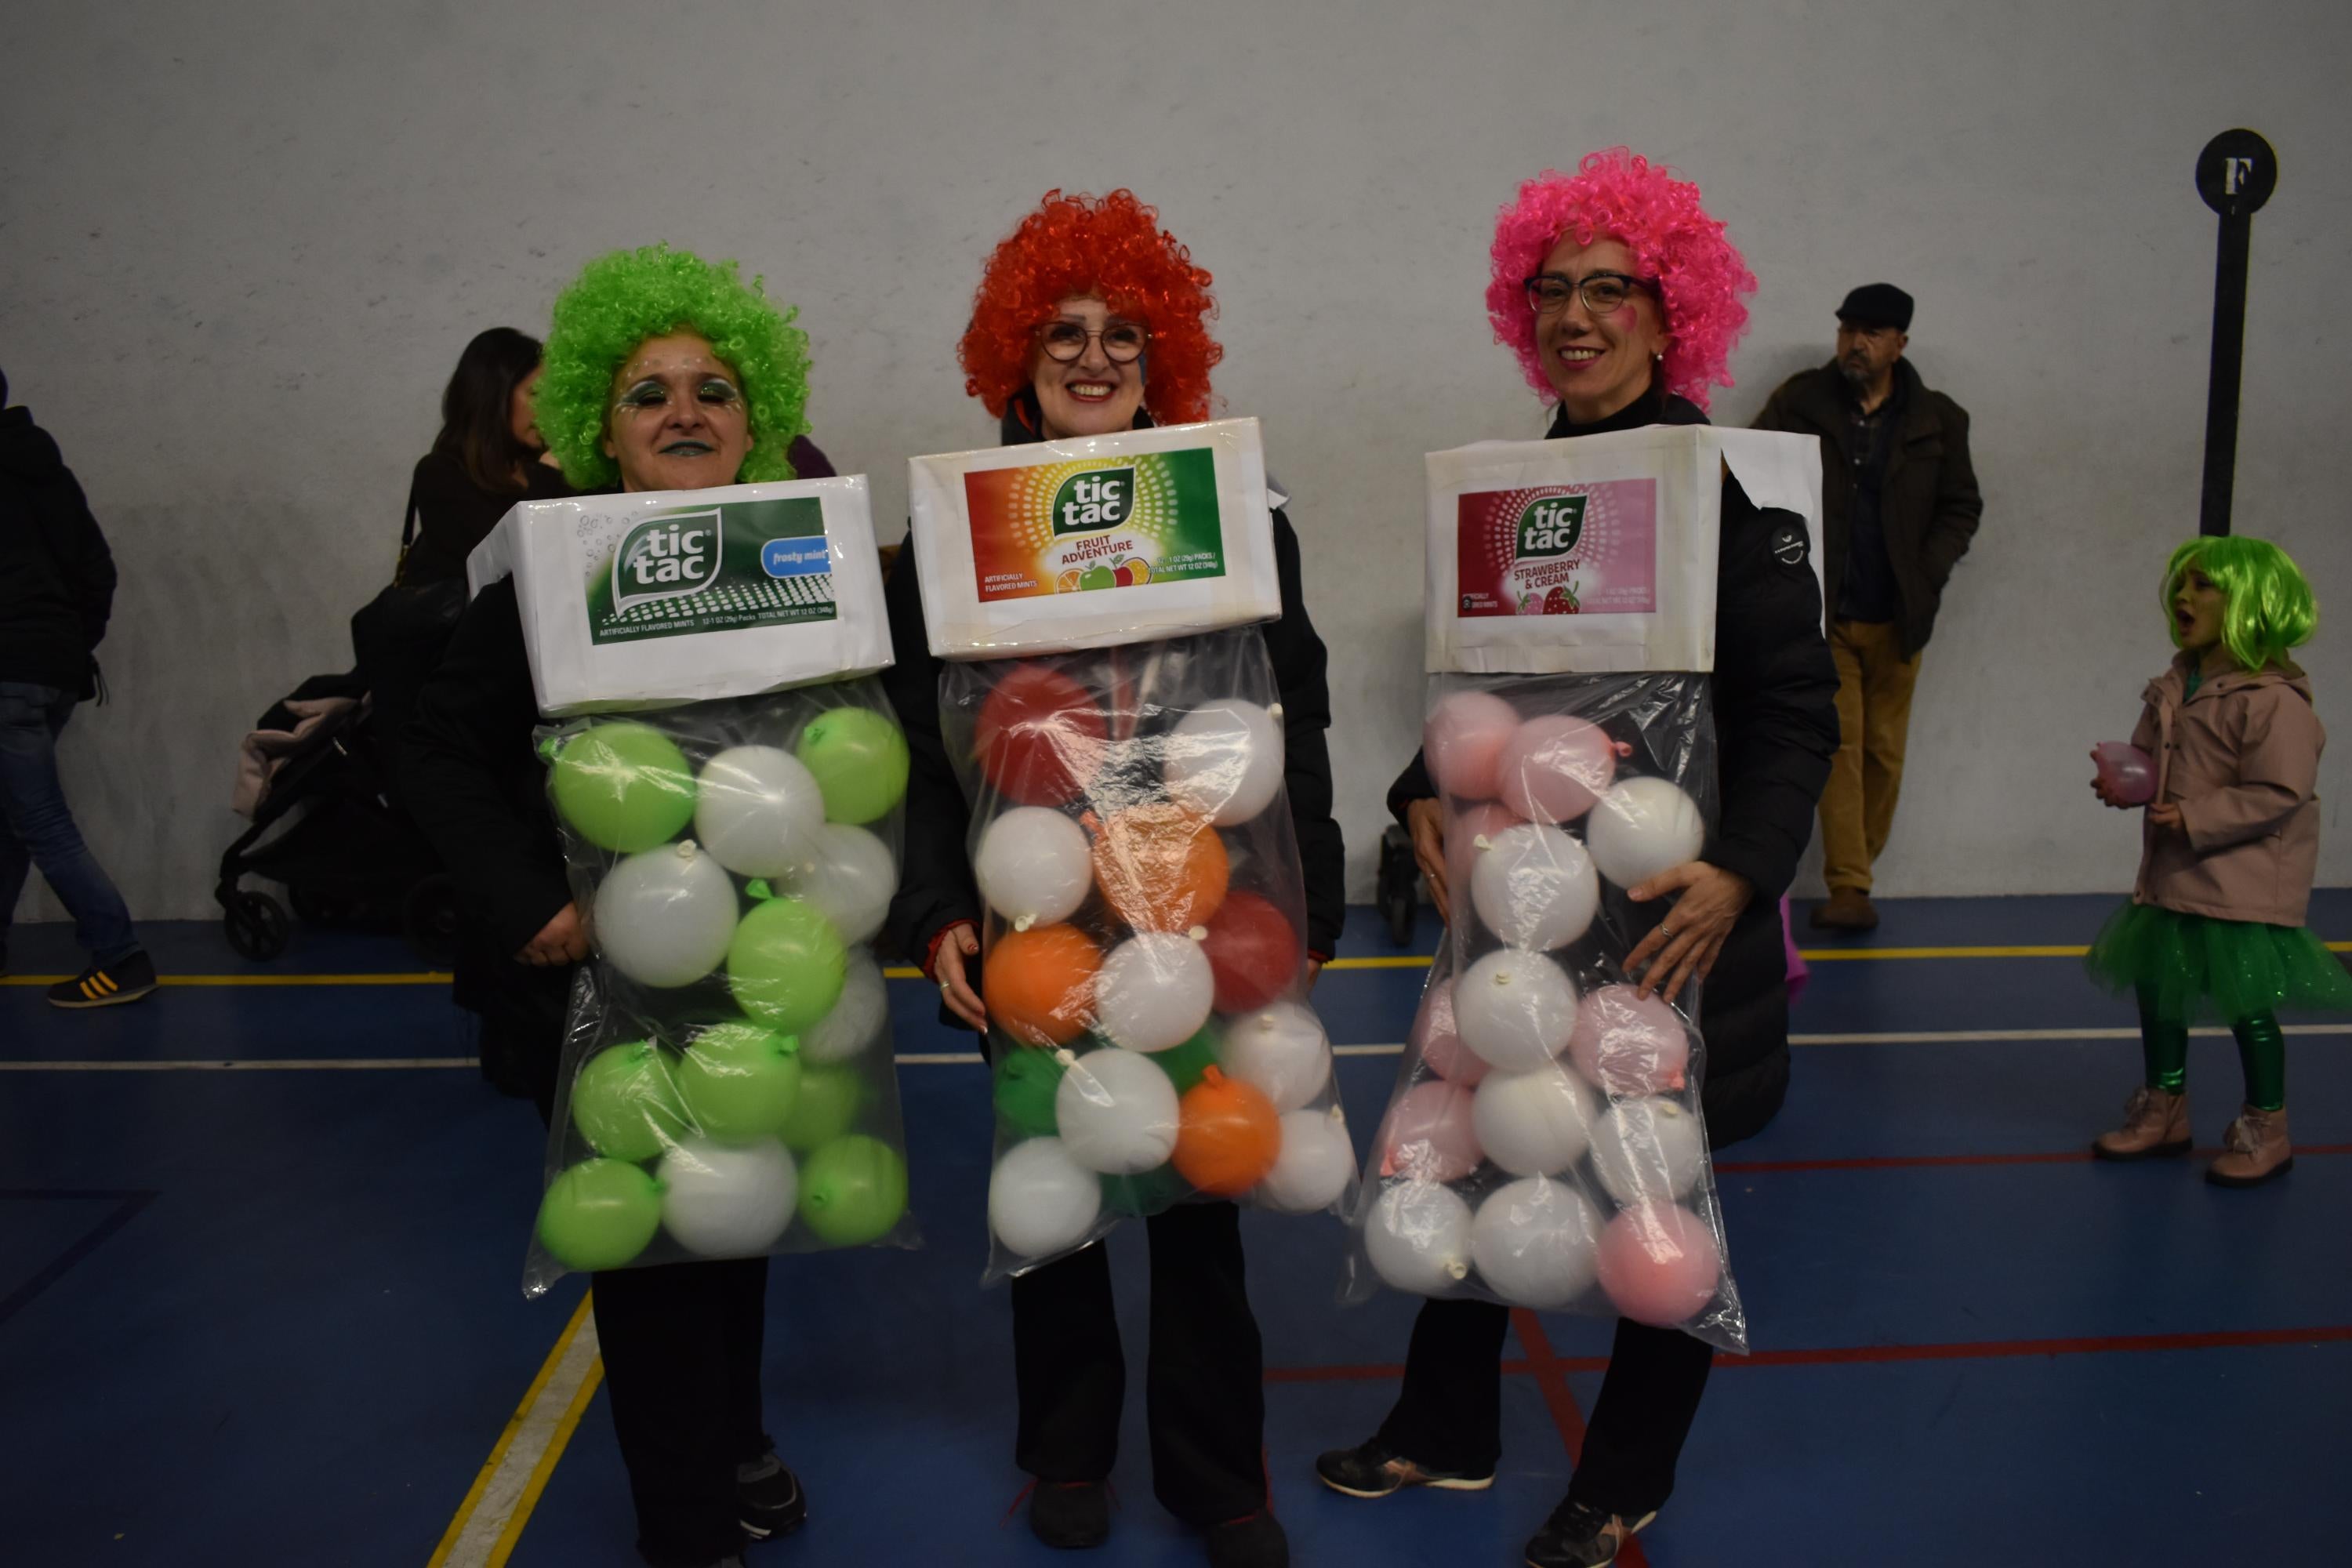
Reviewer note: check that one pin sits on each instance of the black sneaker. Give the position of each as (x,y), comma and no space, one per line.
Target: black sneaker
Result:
(1071,1515)
(107,984)
(1579,1535)
(768,1500)
(1374,1469)
(1253,1540)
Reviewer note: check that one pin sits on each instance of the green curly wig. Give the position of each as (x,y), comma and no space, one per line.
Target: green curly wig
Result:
(2270,608)
(621,300)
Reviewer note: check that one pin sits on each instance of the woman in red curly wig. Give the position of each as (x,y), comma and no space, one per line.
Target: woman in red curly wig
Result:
(1622,299)
(1091,319)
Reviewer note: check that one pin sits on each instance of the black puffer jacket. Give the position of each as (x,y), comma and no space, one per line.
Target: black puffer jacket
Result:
(1775,699)
(56,576)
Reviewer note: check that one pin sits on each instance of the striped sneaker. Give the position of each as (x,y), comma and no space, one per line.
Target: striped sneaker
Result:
(107,984)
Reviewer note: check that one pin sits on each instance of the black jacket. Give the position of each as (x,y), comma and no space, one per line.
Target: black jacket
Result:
(935,887)
(1928,502)
(56,576)
(451,515)
(1775,699)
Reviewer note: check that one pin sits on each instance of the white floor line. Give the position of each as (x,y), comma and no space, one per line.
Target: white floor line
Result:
(482,1538)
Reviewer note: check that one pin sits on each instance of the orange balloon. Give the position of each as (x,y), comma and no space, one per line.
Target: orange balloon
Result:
(1161,868)
(1227,1135)
(1039,984)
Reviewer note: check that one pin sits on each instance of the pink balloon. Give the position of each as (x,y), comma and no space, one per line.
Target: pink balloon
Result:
(1440,1047)
(1428,1134)
(1659,1264)
(1555,768)
(1463,736)
(1628,1045)
(2128,772)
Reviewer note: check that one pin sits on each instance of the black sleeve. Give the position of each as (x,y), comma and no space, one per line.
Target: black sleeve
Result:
(470,772)
(1959,505)
(1775,694)
(1413,784)
(808,462)
(1301,674)
(935,886)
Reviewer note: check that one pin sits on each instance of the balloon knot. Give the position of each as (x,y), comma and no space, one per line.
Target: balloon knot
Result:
(759,889)
(1199,933)
(1024,923)
(1458,1269)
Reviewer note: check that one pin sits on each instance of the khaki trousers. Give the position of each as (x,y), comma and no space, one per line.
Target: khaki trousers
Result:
(1873,704)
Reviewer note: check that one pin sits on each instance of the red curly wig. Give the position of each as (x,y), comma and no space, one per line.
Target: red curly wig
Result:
(1113,250)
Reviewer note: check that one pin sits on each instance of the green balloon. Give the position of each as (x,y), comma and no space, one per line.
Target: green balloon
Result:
(852,1191)
(625,1101)
(739,1081)
(859,758)
(1149,1193)
(599,1215)
(1025,1081)
(623,785)
(786,964)
(1184,1064)
(829,1102)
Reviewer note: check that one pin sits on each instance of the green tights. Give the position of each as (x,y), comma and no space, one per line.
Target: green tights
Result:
(2261,1053)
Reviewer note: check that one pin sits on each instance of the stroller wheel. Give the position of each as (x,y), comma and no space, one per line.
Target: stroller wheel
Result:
(429,921)
(1397,887)
(255,924)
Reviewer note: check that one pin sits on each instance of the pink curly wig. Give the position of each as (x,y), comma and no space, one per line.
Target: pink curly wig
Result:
(1616,194)
(1113,249)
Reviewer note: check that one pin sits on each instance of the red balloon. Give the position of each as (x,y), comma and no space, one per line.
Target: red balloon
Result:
(1040,737)
(1252,952)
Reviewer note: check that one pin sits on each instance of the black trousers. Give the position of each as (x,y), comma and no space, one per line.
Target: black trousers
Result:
(1449,1416)
(1205,1371)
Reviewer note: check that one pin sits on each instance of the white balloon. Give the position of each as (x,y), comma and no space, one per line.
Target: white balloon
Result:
(849,876)
(1418,1238)
(1280,1048)
(1117,1113)
(1153,992)
(1315,1167)
(861,1015)
(1643,827)
(726,1201)
(1535,1123)
(1514,1009)
(1536,1242)
(756,810)
(1534,887)
(664,918)
(1041,1201)
(1034,865)
(1648,1151)
(1224,761)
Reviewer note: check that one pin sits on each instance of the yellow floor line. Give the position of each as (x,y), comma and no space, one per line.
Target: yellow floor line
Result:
(560,1440)
(483,1517)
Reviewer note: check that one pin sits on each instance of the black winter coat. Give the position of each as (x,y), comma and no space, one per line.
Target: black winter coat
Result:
(1775,701)
(56,576)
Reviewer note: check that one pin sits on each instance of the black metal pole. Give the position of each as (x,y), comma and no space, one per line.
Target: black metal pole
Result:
(2221,390)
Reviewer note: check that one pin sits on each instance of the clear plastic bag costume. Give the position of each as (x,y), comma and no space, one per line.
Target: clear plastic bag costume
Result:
(1544,1145)
(1144,941)
(727,1087)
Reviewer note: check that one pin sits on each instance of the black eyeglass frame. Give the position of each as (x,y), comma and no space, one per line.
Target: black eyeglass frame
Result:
(1046,347)
(1577,287)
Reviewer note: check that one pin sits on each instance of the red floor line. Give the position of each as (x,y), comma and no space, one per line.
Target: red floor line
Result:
(1551,1377)
(1925,1161)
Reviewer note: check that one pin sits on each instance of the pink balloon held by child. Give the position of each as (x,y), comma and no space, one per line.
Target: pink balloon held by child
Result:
(2129,773)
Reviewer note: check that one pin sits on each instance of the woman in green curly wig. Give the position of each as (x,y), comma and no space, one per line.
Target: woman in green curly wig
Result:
(664,371)
(667,372)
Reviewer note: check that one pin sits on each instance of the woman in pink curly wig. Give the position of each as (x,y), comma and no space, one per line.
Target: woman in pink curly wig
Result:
(1622,299)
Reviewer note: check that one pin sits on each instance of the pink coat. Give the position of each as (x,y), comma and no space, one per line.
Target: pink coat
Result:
(2241,758)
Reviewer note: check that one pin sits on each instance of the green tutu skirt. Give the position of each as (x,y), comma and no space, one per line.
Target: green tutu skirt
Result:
(2193,969)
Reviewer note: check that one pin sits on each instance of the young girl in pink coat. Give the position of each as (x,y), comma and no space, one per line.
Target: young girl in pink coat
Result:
(2215,925)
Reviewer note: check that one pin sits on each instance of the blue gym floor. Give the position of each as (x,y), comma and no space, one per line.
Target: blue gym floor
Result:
(269,1314)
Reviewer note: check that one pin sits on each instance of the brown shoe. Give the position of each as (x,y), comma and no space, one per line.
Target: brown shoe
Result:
(2155,1126)
(1848,910)
(2254,1149)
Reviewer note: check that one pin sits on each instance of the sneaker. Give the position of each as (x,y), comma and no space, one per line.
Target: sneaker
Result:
(1071,1515)
(768,1500)
(1253,1541)
(1579,1535)
(2155,1126)
(107,984)
(1374,1469)
(1848,910)
(2253,1151)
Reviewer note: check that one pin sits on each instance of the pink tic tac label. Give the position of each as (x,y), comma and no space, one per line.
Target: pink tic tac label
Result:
(1560,549)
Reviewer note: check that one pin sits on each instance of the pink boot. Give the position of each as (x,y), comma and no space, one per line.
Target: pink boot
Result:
(2155,1126)
(2253,1151)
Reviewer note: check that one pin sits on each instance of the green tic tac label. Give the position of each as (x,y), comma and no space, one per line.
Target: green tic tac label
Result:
(714,569)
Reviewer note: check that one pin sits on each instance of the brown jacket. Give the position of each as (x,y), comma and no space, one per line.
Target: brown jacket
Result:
(2241,758)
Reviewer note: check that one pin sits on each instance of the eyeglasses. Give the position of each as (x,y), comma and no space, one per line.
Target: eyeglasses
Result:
(1549,292)
(1122,341)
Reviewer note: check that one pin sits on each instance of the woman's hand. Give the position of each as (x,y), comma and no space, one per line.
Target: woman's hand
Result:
(1425,820)
(2167,816)
(1313,971)
(560,940)
(949,969)
(1683,946)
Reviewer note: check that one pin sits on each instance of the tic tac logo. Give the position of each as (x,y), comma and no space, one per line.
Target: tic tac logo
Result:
(667,558)
(1104,497)
(1550,527)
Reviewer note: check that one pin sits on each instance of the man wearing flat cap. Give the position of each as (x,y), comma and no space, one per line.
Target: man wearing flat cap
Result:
(1899,505)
